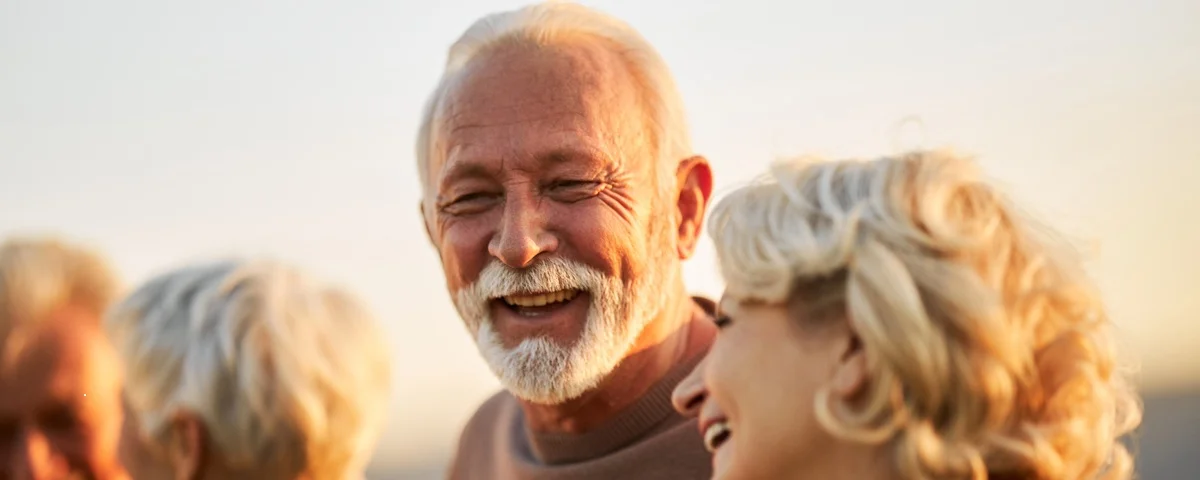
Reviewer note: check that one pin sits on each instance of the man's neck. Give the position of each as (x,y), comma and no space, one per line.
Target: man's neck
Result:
(671,338)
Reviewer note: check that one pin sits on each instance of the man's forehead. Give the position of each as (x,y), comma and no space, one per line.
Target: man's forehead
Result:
(541,153)
(514,84)
(548,102)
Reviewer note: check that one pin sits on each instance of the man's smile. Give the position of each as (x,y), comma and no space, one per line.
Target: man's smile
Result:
(540,299)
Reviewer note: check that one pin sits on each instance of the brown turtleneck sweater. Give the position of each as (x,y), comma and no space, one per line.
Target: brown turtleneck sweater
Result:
(647,440)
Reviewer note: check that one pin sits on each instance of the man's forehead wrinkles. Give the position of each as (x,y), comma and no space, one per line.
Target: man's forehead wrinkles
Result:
(465,119)
(481,105)
(549,135)
(467,165)
(461,128)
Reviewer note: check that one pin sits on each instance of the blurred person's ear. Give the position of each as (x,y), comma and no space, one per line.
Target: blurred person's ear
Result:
(188,449)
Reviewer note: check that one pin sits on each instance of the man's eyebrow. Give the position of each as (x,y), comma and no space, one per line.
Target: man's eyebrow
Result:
(567,155)
(464,170)
(564,155)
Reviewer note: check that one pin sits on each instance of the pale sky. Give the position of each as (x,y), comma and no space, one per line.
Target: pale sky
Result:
(165,133)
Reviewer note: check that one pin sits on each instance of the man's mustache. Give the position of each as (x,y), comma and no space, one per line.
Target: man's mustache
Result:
(498,280)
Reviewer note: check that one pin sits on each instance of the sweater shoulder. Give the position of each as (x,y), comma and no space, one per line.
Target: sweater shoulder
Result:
(494,411)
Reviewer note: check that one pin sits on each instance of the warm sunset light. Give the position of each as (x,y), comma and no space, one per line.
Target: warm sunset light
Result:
(163,133)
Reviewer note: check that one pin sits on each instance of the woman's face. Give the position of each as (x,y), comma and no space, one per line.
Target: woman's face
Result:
(760,378)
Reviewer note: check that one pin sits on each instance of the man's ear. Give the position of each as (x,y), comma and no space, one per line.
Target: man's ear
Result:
(694,177)
(188,447)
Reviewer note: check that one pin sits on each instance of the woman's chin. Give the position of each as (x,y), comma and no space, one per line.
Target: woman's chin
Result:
(722,460)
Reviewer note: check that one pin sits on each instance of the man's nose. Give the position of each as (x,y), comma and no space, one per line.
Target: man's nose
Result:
(690,394)
(32,458)
(522,235)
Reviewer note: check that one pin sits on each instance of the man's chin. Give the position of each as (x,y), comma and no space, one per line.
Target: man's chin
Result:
(540,371)
(536,370)
(551,356)
(547,392)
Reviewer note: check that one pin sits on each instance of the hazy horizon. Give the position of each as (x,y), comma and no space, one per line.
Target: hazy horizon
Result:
(165,133)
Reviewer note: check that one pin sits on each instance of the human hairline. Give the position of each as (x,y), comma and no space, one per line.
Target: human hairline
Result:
(556,24)
(285,371)
(627,139)
(974,325)
(42,275)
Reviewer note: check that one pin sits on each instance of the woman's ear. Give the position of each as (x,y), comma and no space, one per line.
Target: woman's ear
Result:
(850,371)
(188,449)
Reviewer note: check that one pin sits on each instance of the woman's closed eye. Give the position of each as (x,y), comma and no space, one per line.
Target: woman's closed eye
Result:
(723,321)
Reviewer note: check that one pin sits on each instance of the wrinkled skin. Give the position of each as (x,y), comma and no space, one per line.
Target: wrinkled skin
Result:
(538,165)
(547,155)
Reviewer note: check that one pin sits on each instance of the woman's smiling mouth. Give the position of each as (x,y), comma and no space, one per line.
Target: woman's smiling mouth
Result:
(716,433)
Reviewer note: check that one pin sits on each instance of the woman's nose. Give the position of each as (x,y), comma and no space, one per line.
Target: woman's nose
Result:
(690,394)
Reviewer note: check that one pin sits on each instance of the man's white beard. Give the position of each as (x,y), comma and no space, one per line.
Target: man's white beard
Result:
(539,370)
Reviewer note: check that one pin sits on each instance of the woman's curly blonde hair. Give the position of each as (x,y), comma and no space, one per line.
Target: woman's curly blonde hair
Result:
(988,348)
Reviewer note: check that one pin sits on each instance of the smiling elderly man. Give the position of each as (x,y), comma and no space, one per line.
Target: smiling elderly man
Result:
(562,196)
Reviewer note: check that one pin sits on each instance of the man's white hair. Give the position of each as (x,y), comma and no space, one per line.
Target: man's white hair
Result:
(552,23)
(283,371)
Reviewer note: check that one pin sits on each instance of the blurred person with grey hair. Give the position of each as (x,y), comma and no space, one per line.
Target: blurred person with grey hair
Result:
(248,370)
(60,390)
(562,195)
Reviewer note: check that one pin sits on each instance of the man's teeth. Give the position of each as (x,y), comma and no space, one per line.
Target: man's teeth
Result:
(540,299)
(715,435)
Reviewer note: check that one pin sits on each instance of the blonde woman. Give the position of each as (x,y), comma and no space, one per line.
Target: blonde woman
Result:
(248,370)
(900,318)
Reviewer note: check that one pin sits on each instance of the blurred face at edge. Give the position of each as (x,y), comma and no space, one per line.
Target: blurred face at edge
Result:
(60,401)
